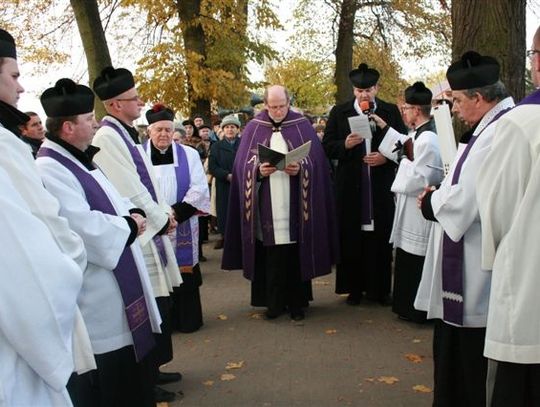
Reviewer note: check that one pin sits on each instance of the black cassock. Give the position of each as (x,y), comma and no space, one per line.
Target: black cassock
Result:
(366,257)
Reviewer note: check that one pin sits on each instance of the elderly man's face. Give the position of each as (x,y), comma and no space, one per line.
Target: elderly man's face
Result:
(277,106)
(161,134)
(10,88)
(34,128)
(467,107)
(366,94)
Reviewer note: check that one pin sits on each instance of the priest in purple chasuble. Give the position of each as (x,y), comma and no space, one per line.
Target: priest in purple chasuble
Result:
(183,184)
(281,227)
(116,299)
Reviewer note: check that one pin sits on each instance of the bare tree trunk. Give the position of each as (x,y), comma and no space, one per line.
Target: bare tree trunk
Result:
(344,51)
(195,48)
(495,28)
(94,41)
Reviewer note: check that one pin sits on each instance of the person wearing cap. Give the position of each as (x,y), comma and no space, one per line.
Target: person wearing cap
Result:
(32,132)
(220,165)
(454,289)
(365,203)
(40,255)
(182,180)
(507,195)
(420,165)
(280,223)
(116,299)
(130,170)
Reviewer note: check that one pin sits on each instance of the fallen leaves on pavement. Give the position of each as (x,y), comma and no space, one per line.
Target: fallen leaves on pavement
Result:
(330,331)
(420,388)
(416,340)
(256,315)
(234,365)
(414,358)
(227,377)
(388,379)
(222,317)
(208,383)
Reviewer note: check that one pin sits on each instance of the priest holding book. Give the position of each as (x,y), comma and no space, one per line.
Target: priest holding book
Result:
(278,231)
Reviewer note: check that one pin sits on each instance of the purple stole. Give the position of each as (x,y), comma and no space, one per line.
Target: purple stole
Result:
(126,273)
(452,263)
(145,179)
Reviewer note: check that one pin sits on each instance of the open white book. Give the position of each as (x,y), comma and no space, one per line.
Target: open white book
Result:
(281,160)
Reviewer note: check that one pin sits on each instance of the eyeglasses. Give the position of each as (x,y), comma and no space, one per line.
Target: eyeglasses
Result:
(531,52)
(131,99)
(406,107)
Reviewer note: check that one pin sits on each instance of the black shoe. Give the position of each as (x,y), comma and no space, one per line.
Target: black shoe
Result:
(166,377)
(354,299)
(386,301)
(268,314)
(297,314)
(163,396)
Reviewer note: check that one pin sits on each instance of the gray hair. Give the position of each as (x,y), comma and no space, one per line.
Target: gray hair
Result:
(490,93)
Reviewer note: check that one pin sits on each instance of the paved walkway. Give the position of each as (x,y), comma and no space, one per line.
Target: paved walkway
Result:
(338,356)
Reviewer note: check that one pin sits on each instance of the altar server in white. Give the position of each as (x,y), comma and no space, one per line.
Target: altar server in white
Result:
(181,178)
(454,289)
(130,170)
(18,162)
(420,165)
(508,197)
(116,300)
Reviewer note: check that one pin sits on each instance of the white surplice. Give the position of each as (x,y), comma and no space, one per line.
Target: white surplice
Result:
(410,231)
(104,237)
(117,163)
(197,195)
(509,201)
(39,285)
(456,211)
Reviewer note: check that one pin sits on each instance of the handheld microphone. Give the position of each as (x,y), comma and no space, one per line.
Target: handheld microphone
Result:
(366,107)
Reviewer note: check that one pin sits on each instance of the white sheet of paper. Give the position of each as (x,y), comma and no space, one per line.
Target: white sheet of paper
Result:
(298,154)
(445,134)
(360,125)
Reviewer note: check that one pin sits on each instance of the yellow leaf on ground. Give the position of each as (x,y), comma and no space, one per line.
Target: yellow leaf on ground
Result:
(208,383)
(222,317)
(227,376)
(234,365)
(416,341)
(413,357)
(388,379)
(370,379)
(256,315)
(421,388)
(330,331)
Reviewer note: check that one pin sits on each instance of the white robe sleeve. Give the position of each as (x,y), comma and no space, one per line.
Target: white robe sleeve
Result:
(197,195)
(116,162)
(455,206)
(104,235)
(501,184)
(413,176)
(38,290)
(19,163)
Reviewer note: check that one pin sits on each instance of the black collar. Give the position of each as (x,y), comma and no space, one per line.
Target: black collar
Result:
(132,131)
(84,157)
(161,158)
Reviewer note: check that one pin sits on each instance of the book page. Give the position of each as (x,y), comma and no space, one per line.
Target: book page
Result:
(298,154)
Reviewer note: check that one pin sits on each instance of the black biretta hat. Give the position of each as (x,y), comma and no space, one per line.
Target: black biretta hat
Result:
(418,94)
(473,71)
(113,82)
(158,113)
(364,77)
(67,98)
(7,45)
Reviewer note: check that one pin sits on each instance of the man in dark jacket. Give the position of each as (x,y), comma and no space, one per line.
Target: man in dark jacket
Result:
(365,204)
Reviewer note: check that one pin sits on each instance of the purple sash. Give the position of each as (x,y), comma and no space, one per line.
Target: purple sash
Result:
(126,273)
(453,252)
(145,179)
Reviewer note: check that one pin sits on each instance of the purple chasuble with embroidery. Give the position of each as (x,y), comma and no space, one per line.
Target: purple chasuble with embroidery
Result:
(145,179)
(126,272)
(312,210)
(452,262)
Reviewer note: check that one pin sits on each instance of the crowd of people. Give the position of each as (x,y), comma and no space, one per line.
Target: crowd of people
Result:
(103,232)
